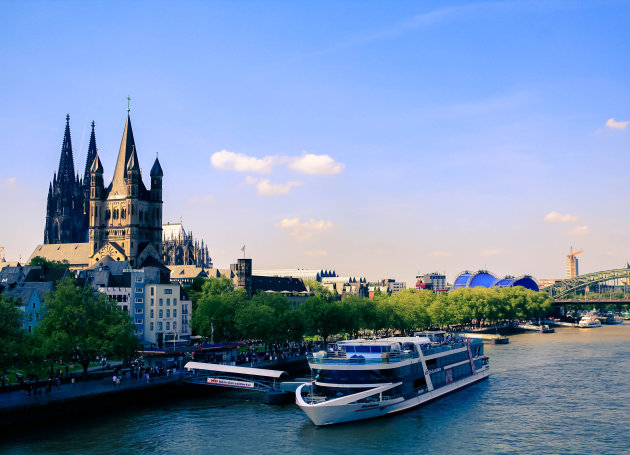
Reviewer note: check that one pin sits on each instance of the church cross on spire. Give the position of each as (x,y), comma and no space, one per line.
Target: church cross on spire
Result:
(128,101)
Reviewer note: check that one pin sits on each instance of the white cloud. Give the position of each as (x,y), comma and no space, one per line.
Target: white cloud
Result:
(579,230)
(310,163)
(265,188)
(555,217)
(317,253)
(490,252)
(11,181)
(440,254)
(304,230)
(230,161)
(201,199)
(615,125)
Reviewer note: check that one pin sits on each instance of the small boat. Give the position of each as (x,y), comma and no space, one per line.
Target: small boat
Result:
(588,322)
(500,340)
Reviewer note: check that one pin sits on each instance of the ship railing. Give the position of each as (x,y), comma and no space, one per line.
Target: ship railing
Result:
(446,347)
(392,357)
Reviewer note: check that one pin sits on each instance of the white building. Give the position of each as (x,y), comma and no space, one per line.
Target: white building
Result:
(167,315)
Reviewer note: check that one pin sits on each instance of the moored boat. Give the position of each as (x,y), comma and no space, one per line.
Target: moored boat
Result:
(588,322)
(363,379)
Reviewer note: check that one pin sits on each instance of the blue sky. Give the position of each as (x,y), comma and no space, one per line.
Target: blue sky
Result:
(377,138)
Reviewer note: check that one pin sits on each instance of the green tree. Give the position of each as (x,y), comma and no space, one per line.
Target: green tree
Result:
(217,286)
(12,336)
(194,291)
(321,316)
(80,322)
(42,261)
(216,310)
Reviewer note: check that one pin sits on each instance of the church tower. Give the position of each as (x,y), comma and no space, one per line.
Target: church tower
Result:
(65,208)
(126,218)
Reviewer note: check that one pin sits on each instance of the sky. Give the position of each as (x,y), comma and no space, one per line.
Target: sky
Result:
(378,139)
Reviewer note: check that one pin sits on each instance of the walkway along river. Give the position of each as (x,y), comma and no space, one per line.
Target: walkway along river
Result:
(565,392)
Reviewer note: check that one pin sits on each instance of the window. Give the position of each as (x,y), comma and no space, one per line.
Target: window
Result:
(139,278)
(184,309)
(139,310)
(33,304)
(168,291)
(168,313)
(174,301)
(152,300)
(139,290)
(159,326)
(174,325)
(152,291)
(139,300)
(151,327)
(30,329)
(161,302)
(125,308)
(152,315)
(168,302)
(174,313)
(138,321)
(36,316)
(160,314)
(168,325)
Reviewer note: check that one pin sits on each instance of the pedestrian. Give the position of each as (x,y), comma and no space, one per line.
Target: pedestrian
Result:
(72,381)
(114,380)
(118,380)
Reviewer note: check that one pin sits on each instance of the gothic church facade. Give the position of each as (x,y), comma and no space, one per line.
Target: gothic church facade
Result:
(125,218)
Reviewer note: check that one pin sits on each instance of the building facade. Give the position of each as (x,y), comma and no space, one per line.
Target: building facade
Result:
(181,248)
(167,314)
(67,205)
(125,218)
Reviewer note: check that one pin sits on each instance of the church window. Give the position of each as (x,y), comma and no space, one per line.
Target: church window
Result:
(108,214)
(123,214)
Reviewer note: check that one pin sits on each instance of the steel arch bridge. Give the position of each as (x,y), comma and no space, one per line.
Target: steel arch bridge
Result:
(563,288)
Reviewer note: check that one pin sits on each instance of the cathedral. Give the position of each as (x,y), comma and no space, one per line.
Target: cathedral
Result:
(125,218)
(180,247)
(68,196)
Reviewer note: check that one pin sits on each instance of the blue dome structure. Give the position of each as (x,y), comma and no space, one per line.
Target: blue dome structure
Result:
(462,280)
(486,279)
(482,278)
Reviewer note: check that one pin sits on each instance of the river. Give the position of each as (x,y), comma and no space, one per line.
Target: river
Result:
(566,392)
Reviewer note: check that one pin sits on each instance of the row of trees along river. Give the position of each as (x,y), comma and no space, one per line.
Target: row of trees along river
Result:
(225,313)
(80,326)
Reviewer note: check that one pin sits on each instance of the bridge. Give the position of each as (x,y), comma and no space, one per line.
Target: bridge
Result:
(561,289)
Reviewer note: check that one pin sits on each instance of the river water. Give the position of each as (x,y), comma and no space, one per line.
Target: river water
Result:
(566,392)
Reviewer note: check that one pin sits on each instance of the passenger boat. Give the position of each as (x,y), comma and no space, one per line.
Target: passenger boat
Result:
(363,379)
(588,322)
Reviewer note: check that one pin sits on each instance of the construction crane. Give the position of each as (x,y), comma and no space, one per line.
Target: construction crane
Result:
(572,264)
(571,255)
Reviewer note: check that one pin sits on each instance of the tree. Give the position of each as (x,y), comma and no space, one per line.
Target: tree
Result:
(43,262)
(194,291)
(12,336)
(83,324)
(321,316)
(217,286)
(216,311)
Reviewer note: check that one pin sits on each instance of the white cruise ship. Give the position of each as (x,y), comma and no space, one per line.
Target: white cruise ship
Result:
(363,379)
(588,322)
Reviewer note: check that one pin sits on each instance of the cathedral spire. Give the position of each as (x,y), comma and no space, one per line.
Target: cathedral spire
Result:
(127,150)
(66,162)
(90,157)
